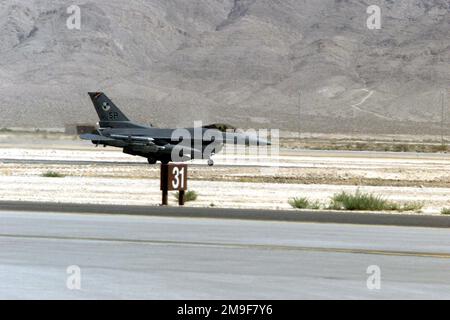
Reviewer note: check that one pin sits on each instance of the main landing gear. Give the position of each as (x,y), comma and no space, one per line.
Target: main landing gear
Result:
(153,161)
(210,162)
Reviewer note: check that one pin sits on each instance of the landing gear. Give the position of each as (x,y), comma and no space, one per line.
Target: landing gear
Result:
(151,160)
(210,162)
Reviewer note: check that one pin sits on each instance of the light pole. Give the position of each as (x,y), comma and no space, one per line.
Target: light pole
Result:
(299,112)
(442,118)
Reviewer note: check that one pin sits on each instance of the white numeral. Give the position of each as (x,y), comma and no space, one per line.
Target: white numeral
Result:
(178,179)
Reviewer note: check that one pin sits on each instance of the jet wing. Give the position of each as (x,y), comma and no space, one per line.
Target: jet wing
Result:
(115,137)
(95,137)
(132,138)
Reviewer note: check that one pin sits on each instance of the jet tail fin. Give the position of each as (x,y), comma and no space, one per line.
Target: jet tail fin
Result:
(110,115)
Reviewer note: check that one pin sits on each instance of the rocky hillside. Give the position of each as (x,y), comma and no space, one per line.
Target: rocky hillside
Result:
(170,62)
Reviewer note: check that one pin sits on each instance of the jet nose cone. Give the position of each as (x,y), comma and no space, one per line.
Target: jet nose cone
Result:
(263,142)
(255,141)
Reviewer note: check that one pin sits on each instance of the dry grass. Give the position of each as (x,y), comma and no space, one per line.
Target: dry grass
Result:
(190,195)
(52,174)
(369,202)
(304,203)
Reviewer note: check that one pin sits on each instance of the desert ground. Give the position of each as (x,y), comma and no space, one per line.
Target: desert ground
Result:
(238,180)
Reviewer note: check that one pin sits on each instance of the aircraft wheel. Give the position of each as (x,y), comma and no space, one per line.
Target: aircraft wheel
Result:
(210,162)
(151,160)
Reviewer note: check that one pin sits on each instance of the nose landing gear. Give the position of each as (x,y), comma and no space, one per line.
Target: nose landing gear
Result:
(210,162)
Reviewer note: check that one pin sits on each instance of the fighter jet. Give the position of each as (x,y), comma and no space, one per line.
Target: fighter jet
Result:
(158,144)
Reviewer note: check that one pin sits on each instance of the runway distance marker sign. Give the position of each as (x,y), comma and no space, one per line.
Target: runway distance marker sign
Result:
(173,177)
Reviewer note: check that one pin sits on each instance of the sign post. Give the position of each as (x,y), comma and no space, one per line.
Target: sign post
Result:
(173,177)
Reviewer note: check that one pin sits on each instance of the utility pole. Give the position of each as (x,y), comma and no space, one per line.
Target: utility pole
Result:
(442,118)
(299,112)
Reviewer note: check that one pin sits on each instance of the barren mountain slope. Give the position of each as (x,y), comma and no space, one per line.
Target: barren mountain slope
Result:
(170,62)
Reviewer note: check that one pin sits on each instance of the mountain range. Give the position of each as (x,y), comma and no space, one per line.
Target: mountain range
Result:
(295,65)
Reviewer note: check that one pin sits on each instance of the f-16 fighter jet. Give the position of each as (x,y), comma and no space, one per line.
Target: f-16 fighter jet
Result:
(158,144)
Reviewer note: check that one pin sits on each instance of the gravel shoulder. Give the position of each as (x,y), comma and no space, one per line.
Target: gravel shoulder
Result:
(106,175)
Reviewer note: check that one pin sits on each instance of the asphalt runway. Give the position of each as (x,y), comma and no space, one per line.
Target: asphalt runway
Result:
(294,156)
(125,256)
